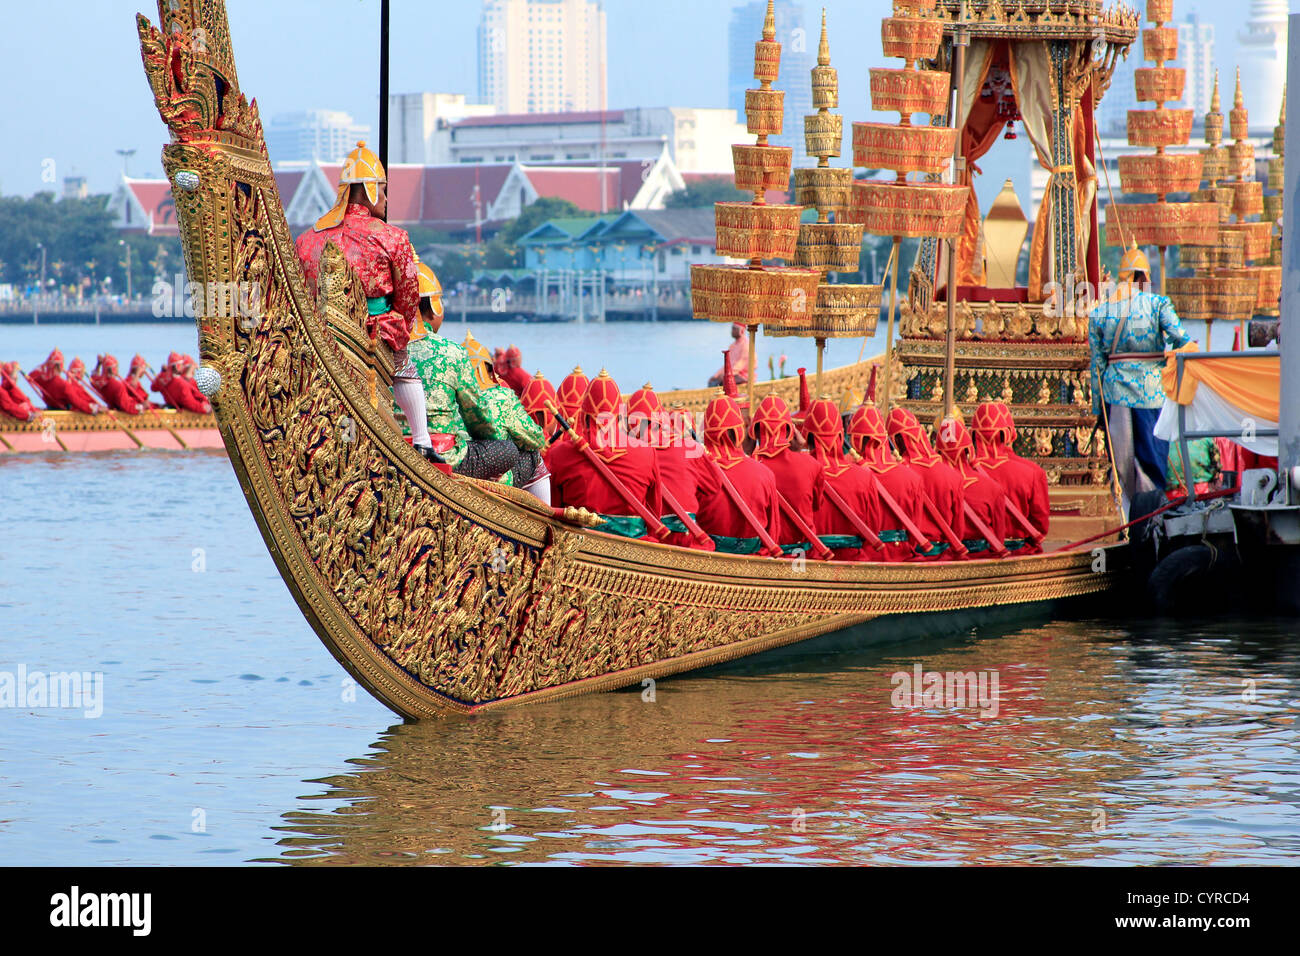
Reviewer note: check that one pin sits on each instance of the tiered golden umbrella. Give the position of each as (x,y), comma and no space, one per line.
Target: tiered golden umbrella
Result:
(901,208)
(842,310)
(752,294)
(1161,223)
(1247,206)
(1273,201)
(1210,294)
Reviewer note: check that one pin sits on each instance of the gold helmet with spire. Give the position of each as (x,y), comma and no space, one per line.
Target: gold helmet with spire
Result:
(361,166)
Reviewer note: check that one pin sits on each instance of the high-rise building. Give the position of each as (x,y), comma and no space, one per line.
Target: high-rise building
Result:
(542,56)
(420,125)
(326,135)
(1120,97)
(1196,56)
(798,56)
(1263,62)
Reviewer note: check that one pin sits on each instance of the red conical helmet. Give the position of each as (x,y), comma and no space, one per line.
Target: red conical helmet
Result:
(992,422)
(902,425)
(538,396)
(10,369)
(138,363)
(643,404)
(954,442)
(76,368)
(805,397)
(722,418)
(173,359)
(54,358)
(514,356)
(108,363)
(773,414)
(573,388)
(599,410)
(823,422)
(867,423)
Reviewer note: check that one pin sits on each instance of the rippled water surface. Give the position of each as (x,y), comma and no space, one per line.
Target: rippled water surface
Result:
(228,733)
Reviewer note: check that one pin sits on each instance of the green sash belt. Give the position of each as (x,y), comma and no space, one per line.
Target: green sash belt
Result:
(1015,544)
(975,546)
(788,549)
(626,526)
(936,549)
(736,545)
(893,536)
(379,305)
(837,542)
(676,524)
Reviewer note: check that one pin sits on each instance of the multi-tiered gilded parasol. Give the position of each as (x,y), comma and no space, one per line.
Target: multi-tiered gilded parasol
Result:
(842,310)
(901,208)
(1212,293)
(752,294)
(1273,199)
(1161,223)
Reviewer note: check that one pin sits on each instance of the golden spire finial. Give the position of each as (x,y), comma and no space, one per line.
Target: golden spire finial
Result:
(1215,106)
(1238,101)
(824,48)
(1281,113)
(769,22)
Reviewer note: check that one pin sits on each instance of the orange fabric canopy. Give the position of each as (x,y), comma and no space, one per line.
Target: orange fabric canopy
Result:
(1252,384)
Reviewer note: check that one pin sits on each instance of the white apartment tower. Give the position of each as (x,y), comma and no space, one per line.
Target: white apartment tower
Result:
(542,56)
(1196,56)
(325,135)
(1263,62)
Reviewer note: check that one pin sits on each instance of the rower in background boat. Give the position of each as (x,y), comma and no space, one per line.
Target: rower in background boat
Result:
(1023,481)
(79,398)
(175,382)
(1128,334)
(134,382)
(13,400)
(57,392)
(113,389)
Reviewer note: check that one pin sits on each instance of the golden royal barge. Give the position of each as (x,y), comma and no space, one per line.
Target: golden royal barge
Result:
(446,595)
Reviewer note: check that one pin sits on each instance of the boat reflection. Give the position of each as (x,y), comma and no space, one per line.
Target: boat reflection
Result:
(1109,744)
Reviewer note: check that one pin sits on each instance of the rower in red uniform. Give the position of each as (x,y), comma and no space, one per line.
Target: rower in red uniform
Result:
(867,433)
(573,389)
(800,477)
(1024,481)
(178,388)
(133,383)
(719,516)
(47,378)
(511,373)
(979,491)
(537,400)
(13,400)
(79,399)
(575,480)
(113,389)
(940,482)
(856,486)
(648,423)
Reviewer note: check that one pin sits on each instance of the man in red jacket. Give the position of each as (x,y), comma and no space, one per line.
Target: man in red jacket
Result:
(13,401)
(47,378)
(980,492)
(133,383)
(511,373)
(573,388)
(178,389)
(720,516)
(648,424)
(79,399)
(799,476)
(867,433)
(856,487)
(941,485)
(1024,481)
(576,481)
(113,389)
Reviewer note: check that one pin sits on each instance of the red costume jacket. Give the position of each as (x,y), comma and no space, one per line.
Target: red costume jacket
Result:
(906,488)
(857,486)
(1025,484)
(116,394)
(984,495)
(180,393)
(576,482)
(382,257)
(941,483)
(718,515)
(516,378)
(136,391)
(13,402)
(677,472)
(53,389)
(800,479)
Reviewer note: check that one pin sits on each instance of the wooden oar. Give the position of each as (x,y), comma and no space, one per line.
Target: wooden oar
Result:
(656,526)
(900,515)
(945,529)
(820,551)
(1034,534)
(997,544)
(855,519)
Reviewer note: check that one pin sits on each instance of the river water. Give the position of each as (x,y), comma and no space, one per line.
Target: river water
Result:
(226,733)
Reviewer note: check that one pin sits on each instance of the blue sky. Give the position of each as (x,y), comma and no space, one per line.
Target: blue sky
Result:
(75,91)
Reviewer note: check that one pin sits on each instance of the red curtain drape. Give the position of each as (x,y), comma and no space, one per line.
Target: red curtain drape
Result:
(983,126)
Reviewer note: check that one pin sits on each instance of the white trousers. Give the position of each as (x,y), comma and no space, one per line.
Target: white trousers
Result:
(408,392)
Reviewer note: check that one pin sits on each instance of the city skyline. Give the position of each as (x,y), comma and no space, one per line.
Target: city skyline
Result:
(677,57)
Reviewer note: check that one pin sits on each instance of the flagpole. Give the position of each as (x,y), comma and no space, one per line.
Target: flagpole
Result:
(383,81)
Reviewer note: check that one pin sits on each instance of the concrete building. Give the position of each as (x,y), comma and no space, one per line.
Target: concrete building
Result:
(698,140)
(1263,63)
(798,56)
(420,125)
(1196,56)
(1120,97)
(325,135)
(542,56)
